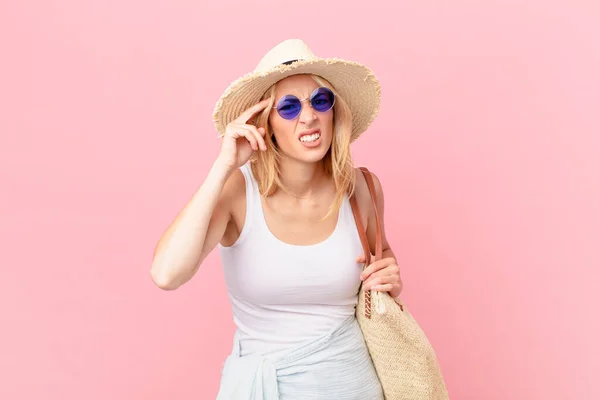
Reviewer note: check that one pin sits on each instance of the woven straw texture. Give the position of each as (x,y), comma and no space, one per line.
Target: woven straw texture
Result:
(355,82)
(404,359)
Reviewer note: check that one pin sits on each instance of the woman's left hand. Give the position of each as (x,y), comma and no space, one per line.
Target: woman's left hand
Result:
(382,276)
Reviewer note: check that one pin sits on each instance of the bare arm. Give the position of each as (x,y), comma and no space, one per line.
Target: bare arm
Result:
(387,250)
(195,232)
(203,221)
(383,274)
(366,207)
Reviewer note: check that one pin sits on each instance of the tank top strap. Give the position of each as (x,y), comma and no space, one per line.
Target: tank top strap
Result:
(251,183)
(346,214)
(253,204)
(252,191)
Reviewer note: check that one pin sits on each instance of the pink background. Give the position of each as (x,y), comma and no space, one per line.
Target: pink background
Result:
(487,146)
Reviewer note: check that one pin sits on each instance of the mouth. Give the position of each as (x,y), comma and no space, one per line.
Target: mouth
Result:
(310,136)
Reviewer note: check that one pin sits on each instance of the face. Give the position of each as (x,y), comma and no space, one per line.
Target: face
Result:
(307,137)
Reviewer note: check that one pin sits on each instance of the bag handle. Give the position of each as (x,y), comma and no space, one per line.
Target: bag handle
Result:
(378,234)
(362,232)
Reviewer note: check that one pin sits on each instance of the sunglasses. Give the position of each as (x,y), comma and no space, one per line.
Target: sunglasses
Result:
(321,100)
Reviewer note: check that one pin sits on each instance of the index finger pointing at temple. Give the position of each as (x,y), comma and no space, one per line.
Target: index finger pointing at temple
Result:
(246,115)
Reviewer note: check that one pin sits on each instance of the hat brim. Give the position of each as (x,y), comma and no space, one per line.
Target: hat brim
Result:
(355,83)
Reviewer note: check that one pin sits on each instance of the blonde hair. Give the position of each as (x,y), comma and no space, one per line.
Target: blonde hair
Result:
(337,162)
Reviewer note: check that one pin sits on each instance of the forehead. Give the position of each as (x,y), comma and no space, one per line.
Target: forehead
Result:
(298,85)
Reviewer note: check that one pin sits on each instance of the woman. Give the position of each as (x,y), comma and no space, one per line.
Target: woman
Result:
(276,203)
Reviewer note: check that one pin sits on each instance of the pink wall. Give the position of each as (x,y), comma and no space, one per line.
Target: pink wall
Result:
(487,146)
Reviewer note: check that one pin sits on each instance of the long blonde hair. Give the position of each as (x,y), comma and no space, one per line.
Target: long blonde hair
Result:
(337,162)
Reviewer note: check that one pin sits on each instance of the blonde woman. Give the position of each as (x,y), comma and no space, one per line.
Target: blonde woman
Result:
(276,204)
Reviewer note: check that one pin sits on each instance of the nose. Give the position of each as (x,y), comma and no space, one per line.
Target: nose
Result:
(307,113)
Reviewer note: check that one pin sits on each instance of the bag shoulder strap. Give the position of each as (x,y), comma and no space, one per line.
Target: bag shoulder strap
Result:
(361,228)
(363,234)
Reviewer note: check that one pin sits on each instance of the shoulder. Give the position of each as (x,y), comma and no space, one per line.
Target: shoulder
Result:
(232,206)
(373,210)
(363,196)
(361,190)
(234,190)
(233,194)
(237,180)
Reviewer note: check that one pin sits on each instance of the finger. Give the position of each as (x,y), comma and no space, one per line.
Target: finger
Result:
(378,265)
(368,284)
(259,138)
(389,271)
(246,115)
(383,288)
(252,139)
(361,258)
(380,280)
(245,133)
(374,267)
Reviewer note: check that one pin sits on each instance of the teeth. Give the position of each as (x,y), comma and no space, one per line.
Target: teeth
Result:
(310,138)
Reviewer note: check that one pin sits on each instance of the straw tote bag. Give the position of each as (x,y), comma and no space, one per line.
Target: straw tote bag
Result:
(404,359)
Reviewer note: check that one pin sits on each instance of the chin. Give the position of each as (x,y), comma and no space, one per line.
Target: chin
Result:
(312,158)
(311,154)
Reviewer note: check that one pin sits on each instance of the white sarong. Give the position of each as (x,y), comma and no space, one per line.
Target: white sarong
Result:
(334,366)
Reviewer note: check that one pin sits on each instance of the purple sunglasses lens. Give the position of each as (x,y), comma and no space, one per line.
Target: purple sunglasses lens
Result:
(289,107)
(322,99)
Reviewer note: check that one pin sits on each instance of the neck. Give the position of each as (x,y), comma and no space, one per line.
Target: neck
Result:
(301,180)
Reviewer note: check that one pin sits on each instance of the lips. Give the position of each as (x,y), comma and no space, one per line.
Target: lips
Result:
(310,136)
(310,139)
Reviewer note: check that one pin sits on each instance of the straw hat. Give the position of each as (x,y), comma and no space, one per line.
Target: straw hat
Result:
(355,83)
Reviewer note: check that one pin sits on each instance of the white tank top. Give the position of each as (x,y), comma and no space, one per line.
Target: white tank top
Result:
(283,294)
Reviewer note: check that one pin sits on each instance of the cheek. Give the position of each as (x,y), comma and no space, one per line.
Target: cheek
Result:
(282,132)
(327,120)
(328,123)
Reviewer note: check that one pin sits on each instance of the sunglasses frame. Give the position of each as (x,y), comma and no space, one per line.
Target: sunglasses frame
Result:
(310,98)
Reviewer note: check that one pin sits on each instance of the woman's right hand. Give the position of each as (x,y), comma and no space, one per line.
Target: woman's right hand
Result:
(242,139)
